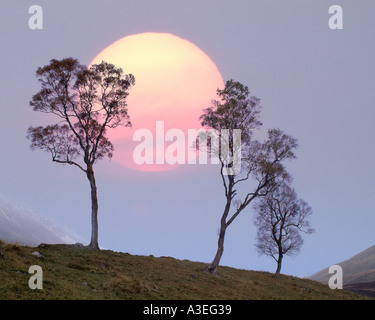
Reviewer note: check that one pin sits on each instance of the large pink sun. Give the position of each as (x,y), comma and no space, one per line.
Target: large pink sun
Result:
(175,80)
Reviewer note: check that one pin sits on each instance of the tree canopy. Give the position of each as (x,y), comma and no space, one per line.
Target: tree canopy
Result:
(86,102)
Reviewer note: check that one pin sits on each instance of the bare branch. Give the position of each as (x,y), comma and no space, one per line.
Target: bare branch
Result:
(69,162)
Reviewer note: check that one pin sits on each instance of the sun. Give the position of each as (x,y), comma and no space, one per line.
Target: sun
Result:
(175,81)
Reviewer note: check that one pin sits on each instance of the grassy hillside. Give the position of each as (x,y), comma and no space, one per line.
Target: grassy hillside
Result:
(70,272)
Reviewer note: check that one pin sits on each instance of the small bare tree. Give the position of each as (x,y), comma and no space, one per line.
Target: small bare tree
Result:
(280,219)
(86,103)
(261,166)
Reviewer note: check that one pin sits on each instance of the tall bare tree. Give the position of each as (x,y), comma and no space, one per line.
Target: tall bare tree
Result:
(261,164)
(280,219)
(86,103)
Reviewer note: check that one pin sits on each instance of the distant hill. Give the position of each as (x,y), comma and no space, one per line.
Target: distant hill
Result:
(75,272)
(358,273)
(19,224)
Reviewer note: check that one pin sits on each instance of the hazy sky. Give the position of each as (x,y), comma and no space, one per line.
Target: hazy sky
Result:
(315,83)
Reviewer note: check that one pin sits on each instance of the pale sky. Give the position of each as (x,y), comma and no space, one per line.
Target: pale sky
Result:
(315,83)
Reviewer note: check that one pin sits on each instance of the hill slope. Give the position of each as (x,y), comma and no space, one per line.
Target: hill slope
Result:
(358,273)
(71,272)
(358,269)
(19,224)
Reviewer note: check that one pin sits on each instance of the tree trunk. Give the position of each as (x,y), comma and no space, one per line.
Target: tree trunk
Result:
(94,210)
(212,267)
(279,260)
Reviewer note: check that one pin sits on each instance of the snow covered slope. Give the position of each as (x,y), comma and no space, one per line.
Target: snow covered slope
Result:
(19,224)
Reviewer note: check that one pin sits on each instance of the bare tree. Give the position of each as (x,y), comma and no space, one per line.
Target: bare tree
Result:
(86,103)
(280,219)
(261,167)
